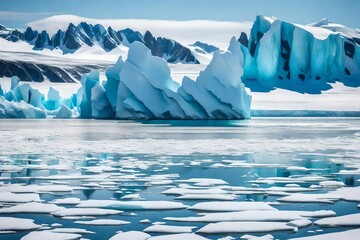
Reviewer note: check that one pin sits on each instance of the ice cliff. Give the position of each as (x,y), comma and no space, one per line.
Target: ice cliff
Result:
(303,58)
(142,88)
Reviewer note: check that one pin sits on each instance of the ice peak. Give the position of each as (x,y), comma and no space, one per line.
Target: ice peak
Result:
(265,18)
(321,22)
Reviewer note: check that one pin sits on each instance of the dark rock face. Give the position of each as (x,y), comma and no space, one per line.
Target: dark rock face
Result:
(206,47)
(71,39)
(42,41)
(87,34)
(31,72)
(30,35)
(243,39)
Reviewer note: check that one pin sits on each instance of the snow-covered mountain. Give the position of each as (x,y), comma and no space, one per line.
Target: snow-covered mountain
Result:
(84,34)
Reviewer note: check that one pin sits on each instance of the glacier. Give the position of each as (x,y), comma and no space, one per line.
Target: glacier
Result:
(302,58)
(142,88)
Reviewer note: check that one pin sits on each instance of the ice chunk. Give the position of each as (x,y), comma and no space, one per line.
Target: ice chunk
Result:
(63,112)
(85,212)
(346,220)
(103,222)
(32,207)
(11,109)
(49,234)
(18,198)
(180,236)
(12,223)
(66,201)
(205,181)
(252,237)
(300,223)
(312,198)
(245,227)
(134,205)
(344,235)
(53,99)
(249,215)
(169,229)
(231,206)
(133,235)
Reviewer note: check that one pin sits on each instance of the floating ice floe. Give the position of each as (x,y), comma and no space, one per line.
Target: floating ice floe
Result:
(133,235)
(344,235)
(85,212)
(17,224)
(331,184)
(133,205)
(249,215)
(179,236)
(18,198)
(252,237)
(346,220)
(32,207)
(49,234)
(103,222)
(169,229)
(231,206)
(300,223)
(348,193)
(204,181)
(66,201)
(183,191)
(223,197)
(72,230)
(310,198)
(18,188)
(245,227)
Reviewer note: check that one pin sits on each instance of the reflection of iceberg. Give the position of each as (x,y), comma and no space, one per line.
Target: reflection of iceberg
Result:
(142,88)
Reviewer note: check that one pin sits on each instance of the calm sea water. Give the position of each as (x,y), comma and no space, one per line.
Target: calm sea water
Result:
(174,151)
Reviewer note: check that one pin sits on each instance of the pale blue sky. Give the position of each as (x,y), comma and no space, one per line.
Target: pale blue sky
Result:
(15,13)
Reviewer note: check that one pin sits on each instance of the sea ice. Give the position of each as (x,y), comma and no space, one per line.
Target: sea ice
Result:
(103,222)
(169,229)
(85,212)
(245,227)
(12,223)
(346,220)
(231,206)
(133,235)
(133,205)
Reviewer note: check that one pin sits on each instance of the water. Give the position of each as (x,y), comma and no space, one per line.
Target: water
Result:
(149,157)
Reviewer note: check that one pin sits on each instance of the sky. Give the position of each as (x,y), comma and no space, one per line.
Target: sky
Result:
(16,13)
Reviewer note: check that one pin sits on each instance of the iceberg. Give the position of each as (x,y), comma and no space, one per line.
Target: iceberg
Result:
(302,58)
(142,88)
